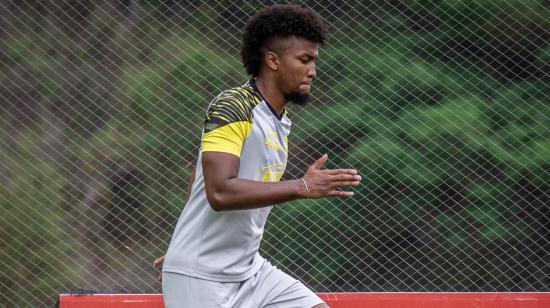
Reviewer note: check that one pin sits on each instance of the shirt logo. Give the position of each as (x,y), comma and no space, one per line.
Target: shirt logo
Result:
(274,144)
(271,173)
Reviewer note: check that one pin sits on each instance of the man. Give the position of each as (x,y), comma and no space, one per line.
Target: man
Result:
(213,258)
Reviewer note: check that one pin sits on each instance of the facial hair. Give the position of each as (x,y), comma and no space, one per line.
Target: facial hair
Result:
(297,98)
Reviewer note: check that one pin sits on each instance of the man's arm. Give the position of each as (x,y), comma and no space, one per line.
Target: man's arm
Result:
(227,192)
(227,126)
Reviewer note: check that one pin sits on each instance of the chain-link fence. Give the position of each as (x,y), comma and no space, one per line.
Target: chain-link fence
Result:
(442,106)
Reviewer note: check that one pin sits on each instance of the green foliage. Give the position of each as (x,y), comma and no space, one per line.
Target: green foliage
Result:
(442,144)
(440,105)
(34,244)
(156,137)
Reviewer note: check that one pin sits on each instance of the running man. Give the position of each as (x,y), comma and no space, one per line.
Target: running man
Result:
(213,258)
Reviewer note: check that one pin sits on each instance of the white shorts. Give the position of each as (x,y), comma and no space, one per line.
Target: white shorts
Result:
(269,288)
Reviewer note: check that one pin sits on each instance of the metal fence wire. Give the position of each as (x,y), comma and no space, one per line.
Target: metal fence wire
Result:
(442,107)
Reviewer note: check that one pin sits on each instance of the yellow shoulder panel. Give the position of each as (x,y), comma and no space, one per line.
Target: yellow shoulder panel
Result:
(228,138)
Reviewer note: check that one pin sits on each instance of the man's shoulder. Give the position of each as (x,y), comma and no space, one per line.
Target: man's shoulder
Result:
(232,105)
(243,94)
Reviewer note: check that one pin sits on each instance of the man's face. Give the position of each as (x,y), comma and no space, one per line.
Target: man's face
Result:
(297,68)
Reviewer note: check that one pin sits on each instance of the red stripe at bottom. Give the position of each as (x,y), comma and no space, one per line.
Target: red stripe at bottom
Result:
(342,300)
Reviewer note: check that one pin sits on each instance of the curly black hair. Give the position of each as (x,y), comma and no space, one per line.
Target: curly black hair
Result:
(278,21)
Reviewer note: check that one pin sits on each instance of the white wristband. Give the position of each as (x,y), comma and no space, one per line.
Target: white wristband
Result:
(307,189)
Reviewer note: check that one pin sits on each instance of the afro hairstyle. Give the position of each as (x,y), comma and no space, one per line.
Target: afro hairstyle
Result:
(278,21)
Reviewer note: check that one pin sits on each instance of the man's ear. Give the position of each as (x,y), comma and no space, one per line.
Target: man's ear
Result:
(272,60)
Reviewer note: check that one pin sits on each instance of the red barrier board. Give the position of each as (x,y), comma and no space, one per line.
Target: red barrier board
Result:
(342,300)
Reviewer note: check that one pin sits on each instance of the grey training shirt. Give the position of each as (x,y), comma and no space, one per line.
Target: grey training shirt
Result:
(223,246)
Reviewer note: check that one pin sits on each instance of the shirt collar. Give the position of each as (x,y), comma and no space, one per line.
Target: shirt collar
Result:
(252,82)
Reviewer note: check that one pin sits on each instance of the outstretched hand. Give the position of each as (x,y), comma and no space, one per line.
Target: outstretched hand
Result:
(325,182)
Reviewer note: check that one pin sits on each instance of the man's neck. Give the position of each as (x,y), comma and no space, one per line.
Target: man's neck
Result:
(271,93)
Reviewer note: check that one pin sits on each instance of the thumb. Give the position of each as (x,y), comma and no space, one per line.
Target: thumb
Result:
(318,164)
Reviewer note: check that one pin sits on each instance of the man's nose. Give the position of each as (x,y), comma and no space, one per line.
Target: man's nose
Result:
(312,73)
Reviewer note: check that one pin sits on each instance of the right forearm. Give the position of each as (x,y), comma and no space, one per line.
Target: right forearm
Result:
(239,194)
(225,191)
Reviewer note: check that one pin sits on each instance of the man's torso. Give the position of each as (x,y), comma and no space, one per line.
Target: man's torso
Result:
(223,246)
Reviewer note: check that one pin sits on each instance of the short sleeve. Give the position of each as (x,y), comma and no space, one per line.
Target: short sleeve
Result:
(228,123)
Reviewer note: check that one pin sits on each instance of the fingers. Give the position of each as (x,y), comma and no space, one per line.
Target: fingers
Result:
(341,194)
(329,186)
(318,164)
(340,171)
(158,261)
(324,183)
(345,184)
(346,177)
